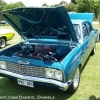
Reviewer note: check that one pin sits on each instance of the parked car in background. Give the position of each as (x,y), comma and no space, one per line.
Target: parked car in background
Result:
(54,48)
(3,22)
(5,35)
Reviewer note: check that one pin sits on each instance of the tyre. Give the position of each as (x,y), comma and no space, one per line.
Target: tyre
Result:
(75,84)
(93,50)
(2,42)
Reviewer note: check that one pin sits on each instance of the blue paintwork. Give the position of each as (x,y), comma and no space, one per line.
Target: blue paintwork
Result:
(82,16)
(75,58)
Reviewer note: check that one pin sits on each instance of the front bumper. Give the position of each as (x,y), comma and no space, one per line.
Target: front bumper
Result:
(61,85)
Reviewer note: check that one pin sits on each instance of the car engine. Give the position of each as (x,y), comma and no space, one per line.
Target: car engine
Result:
(41,52)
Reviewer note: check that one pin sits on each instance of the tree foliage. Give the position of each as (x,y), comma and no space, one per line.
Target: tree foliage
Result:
(2,5)
(73,1)
(88,6)
(63,3)
(83,6)
(45,5)
(91,6)
(55,5)
(5,6)
(15,5)
(70,7)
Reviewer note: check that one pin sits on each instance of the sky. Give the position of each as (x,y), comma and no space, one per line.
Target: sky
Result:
(36,2)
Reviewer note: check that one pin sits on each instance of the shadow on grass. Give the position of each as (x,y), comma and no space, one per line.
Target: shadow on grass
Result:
(92,97)
(98,41)
(11,88)
(8,44)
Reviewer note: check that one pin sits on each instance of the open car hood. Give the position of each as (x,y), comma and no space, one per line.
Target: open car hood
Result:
(47,23)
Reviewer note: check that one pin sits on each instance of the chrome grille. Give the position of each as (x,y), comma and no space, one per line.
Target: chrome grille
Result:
(26,70)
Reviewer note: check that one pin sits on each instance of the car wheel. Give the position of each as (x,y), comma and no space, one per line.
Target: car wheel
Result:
(75,84)
(2,42)
(93,50)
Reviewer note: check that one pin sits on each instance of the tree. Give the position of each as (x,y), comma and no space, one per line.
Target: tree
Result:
(88,6)
(96,8)
(45,5)
(15,5)
(83,6)
(63,3)
(70,7)
(73,1)
(2,5)
(55,5)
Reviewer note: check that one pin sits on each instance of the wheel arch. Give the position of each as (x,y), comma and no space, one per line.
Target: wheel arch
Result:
(75,82)
(4,37)
(78,64)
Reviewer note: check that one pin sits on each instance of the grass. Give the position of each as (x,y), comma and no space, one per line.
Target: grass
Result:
(97,26)
(89,88)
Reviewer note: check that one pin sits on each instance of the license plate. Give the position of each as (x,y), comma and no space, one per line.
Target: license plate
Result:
(25,83)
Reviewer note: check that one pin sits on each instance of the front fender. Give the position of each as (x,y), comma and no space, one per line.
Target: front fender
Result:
(8,36)
(71,63)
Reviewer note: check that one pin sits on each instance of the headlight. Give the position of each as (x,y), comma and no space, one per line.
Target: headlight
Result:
(54,74)
(58,74)
(3,65)
(50,73)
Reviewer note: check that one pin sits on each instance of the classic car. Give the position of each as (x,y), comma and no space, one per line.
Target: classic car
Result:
(5,35)
(53,51)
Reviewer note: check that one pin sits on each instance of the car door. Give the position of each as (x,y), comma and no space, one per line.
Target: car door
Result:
(92,36)
(87,42)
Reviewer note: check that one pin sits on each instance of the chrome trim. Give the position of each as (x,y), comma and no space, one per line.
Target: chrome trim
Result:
(61,85)
(23,62)
(26,70)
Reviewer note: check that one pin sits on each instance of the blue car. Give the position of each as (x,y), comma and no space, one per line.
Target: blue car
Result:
(54,49)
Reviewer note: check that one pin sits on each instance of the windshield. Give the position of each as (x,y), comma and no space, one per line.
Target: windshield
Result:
(77,30)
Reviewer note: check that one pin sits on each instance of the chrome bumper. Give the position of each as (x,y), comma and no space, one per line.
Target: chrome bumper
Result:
(61,85)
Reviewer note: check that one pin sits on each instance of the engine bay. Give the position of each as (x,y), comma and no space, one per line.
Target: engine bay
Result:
(42,52)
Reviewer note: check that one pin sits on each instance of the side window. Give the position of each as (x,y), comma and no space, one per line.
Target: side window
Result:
(89,27)
(77,30)
(85,31)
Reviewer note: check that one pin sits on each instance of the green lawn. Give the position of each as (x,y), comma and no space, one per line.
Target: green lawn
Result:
(89,88)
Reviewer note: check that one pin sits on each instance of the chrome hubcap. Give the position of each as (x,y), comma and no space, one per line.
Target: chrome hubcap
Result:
(2,42)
